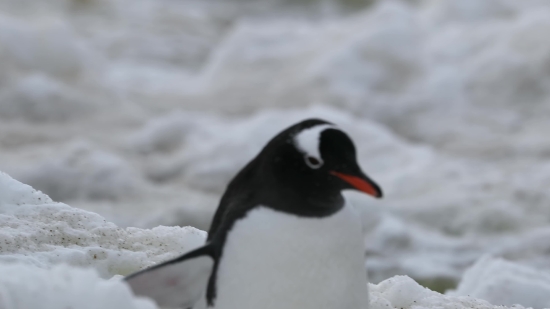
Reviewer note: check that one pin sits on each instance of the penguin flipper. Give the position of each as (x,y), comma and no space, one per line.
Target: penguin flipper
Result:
(180,282)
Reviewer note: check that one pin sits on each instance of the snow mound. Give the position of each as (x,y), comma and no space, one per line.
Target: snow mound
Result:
(402,292)
(35,230)
(63,287)
(505,283)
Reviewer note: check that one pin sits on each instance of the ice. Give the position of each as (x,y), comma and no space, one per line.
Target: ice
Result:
(67,286)
(35,230)
(505,283)
(43,242)
(398,292)
(403,292)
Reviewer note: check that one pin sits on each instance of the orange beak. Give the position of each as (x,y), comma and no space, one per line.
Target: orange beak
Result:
(363,184)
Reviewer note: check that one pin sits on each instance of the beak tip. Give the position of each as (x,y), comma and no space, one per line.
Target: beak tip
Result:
(379,193)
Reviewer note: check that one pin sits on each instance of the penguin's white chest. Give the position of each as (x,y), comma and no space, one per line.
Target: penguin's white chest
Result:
(274,260)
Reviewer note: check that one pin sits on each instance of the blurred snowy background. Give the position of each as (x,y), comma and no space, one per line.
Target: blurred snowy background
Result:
(142,110)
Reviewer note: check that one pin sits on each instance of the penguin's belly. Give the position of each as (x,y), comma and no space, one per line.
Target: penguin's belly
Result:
(274,260)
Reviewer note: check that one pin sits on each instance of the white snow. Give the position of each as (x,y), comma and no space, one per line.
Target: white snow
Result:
(35,230)
(45,245)
(63,286)
(403,292)
(504,283)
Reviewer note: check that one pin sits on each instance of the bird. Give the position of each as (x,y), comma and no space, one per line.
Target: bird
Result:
(283,235)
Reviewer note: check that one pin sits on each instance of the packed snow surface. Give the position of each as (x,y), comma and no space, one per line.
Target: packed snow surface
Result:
(35,230)
(504,283)
(143,111)
(26,287)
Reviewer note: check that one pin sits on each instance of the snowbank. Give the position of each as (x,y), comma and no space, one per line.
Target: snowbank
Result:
(26,287)
(65,286)
(37,231)
(401,292)
(44,245)
(505,283)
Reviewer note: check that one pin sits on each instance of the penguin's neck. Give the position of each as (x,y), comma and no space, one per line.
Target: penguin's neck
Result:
(256,184)
(302,204)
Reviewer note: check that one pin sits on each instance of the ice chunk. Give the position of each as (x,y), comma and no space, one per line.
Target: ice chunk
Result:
(63,286)
(401,292)
(37,231)
(505,283)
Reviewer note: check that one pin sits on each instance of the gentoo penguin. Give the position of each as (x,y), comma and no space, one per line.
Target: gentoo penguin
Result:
(282,237)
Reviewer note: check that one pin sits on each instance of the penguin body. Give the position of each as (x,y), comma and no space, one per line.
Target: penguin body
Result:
(283,235)
(274,260)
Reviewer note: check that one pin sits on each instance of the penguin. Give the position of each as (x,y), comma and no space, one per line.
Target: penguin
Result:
(283,236)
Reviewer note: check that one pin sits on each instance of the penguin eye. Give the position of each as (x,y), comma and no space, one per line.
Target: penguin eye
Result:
(313,162)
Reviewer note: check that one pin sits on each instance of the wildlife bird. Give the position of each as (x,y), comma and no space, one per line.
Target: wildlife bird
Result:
(283,235)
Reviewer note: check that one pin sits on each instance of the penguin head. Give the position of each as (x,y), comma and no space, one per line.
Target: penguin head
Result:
(317,159)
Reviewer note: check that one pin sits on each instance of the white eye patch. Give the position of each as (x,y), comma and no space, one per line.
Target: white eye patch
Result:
(307,142)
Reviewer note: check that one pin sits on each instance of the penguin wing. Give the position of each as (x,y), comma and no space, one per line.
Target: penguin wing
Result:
(180,282)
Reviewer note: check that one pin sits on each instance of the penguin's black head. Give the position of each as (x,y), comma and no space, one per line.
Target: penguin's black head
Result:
(316,160)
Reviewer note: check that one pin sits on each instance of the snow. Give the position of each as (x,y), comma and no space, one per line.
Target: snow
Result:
(36,231)
(62,255)
(403,292)
(22,286)
(504,283)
